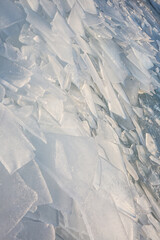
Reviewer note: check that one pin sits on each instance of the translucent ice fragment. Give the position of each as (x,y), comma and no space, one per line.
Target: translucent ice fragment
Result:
(17,150)
(61,200)
(83,44)
(75,219)
(32,176)
(10,14)
(115,182)
(49,7)
(45,213)
(154,221)
(88,6)
(75,19)
(86,92)
(151,144)
(16,199)
(141,153)
(53,105)
(33,4)
(145,61)
(104,226)
(36,230)
(139,75)
(119,89)
(131,88)
(150,232)
(61,164)
(27,121)
(131,170)
(59,25)
(2,92)
(78,159)
(156,5)
(12,235)
(155,160)
(71,2)
(13,72)
(114,103)
(152,200)
(55,42)
(92,20)
(107,132)
(113,153)
(92,70)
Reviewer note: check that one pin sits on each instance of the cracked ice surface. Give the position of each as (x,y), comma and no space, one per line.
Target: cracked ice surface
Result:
(79,120)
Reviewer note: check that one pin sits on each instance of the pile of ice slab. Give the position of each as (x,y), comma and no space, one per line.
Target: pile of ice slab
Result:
(79,120)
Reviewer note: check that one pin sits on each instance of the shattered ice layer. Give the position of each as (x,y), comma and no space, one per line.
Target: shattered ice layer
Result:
(15,202)
(36,230)
(72,160)
(79,114)
(12,138)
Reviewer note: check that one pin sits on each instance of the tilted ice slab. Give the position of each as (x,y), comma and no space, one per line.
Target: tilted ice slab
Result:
(79,114)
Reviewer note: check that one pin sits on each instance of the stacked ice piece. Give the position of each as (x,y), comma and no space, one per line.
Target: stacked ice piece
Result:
(79,120)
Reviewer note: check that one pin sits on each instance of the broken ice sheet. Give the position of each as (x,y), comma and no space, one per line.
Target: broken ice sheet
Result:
(75,19)
(33,177)
(10,14)
(12,235)
(16,150)
(102,218)
(59,25)
(88,6)
(13,72)
(45,213)
(86,92)
(26,119)
(53,105)
(16,199)
(115,183)
(36,230)
(61,200)
(49,7)
(113,154)
(33,4)
(71,160)
(2,92)
(150,232)
(151,144)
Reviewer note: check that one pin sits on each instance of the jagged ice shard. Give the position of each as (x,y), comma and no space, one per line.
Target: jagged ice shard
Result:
(79,120)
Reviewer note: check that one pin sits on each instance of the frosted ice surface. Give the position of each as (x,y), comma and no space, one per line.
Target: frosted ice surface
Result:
(32,176)
(10,14)
(12,235)
(60,26)
(33,4)
(49,7)
(15,202)
(103,226)
(62,201)
(86,92)
(79,120)
(45,213)
(2,92)
(74,159)
(74,19)
(53,105)
(88,6)
(17,75)
(36,230)
(150,144)
(115,182)
(12,137)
